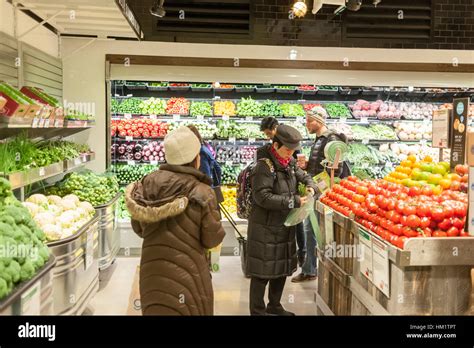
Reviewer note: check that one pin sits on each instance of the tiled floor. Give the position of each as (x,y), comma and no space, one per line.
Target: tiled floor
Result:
(231,291)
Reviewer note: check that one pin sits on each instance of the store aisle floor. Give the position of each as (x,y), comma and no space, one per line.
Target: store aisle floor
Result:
(231,291)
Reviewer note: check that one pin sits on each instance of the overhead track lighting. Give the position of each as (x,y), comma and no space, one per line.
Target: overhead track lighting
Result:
(299,8)
(353,5)
(157,9)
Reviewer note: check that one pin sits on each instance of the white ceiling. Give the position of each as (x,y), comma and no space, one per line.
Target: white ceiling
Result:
(82,17)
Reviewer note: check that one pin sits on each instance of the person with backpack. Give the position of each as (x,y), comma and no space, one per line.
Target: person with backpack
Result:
(268,126)
(316,124)
(271,246)
(209,165)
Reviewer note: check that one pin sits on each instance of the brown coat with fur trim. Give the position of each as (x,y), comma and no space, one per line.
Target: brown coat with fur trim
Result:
(175,211)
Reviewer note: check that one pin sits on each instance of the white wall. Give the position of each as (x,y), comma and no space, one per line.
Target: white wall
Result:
(41,38)
(84,71)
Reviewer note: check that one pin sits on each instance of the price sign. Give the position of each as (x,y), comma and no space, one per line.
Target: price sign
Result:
(35,123)
(423,142)
(388,164)
(252,140)
(229,163)
(364,120)
(89,249)
(46,123)
(365,141)
(200,118)
(154,163)
(343,120)
(30,300)
(176,117)
(153,117)
(128,138)
(131,163)
(56,123)
(42,171)
(299,119)
(41,123)
(232,140)
(128,116)
(77,161)
(225,117)
(365,247)
(217,97)
(380,266)
(249,118)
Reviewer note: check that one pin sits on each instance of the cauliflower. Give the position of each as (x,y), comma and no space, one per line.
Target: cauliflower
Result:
(82,212)
(44,218)
(52,232)
(88,207)
(38,199)
(32,208)
(54,209)
(53,199)
(67,219)
(68,204)
(73,198)
(67,232)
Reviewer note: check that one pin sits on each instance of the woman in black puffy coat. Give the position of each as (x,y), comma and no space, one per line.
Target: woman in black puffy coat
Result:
(271,248)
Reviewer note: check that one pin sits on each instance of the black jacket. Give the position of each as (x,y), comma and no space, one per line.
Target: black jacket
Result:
(317,155)
(271,248)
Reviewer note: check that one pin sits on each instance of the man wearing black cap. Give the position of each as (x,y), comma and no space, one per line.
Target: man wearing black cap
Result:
(271,248)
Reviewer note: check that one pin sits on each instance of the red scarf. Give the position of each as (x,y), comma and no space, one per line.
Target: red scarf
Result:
(284,162)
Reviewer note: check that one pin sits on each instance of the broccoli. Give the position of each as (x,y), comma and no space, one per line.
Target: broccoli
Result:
(38,261)
(3,288)
(7,276)
(5,261)
(39,234)
(5,189)
(19,214)
(6,229)
(14,269)
(24,229)
(7,219)
(44,252)
(27,270)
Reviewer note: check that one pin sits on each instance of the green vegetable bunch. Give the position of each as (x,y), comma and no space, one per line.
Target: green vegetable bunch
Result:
(271,108)
(292,110)
(248,107)
(130,106)
(337,110)
(152,106)
(200,109)
(127,174)
(21,242)
(88,186)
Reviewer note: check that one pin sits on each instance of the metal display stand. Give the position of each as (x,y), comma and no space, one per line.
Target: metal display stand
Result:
(32,297)
(109,234)
(431,276)
(76,274)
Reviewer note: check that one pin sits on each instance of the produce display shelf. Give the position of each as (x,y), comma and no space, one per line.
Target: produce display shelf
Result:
(25,178)
(135,162)
(79,161)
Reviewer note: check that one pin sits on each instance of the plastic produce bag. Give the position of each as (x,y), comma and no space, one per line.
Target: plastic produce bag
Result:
(298,215)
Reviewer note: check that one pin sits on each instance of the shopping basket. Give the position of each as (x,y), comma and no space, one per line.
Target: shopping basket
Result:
(240,238)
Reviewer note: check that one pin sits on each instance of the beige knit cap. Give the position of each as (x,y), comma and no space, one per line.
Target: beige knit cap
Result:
(181,146)
(318,114)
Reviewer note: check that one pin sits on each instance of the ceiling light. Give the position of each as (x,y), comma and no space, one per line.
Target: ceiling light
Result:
(353,5)
(300,8)
(376,2)
(157,9)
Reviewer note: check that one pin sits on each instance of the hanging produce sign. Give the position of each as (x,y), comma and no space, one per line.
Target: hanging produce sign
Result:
(130,17)
(440,129)
(459,130)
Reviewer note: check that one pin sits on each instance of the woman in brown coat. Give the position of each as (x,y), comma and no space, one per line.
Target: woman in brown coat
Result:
(174,210)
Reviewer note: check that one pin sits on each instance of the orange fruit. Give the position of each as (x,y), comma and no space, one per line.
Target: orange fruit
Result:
(412,158)
(428,159)
(445,183)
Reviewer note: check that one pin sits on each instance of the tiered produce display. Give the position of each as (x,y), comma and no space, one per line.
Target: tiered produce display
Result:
(383,130)
(396,212)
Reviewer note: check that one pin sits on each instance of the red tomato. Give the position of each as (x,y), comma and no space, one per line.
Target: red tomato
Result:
(427,232)
(362,190)
(414,191)
(437,213)
(398,229)
(425,222)
(460,210)
(401,242)
(391,204)
(409,209)
(353,178)
(413,221)
(423,209)
(464,234)
(408,232)
(400,206)
(453,232)
(439,233)
(393,216)
(358,198)
(427,190)
(445,224)
(457,222)
(404,220)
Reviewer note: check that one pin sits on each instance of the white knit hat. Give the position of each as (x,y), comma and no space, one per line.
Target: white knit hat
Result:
(181,146)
